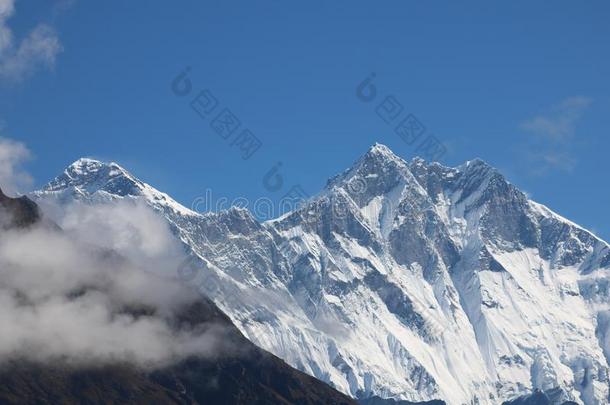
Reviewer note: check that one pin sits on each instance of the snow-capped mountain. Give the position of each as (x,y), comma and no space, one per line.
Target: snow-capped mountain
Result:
(404,280)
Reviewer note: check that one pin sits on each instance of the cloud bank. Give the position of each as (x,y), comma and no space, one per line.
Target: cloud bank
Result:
(39,48)
(62,298)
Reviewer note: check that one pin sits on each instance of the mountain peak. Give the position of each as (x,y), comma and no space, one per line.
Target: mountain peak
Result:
(86,162)
(91,175)
(94,179)
(380,149)
(478,170)
(476,162)
(379,163)
(381,153)
(87,166)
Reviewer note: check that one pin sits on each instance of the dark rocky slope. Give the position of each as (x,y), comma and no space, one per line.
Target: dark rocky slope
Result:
(17,212)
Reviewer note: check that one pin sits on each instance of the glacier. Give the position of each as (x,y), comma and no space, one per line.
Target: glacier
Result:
(400,279)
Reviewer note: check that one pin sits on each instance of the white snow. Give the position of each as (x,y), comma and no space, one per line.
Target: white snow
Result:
(368,303)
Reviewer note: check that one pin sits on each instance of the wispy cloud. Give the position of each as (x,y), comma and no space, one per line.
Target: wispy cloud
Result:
(19,59)
(559,124)
(554,132)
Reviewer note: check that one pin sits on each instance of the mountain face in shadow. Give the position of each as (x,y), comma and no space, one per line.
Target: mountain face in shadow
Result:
(539,398)
(258,378)
(17,212)
(248,375)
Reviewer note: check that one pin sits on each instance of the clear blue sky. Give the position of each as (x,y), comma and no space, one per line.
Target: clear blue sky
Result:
(523,85)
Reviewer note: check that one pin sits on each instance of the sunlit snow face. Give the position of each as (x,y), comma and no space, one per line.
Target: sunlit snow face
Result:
(388,286)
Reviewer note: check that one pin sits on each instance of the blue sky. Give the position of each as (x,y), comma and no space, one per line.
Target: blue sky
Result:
(520,84)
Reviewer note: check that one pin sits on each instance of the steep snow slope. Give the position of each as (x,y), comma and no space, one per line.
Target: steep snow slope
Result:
(406,280)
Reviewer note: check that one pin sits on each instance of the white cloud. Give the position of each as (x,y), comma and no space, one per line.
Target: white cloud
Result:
(550,159)
(554,135)
(38,49)
(12,177)
(64,298)
(559,124)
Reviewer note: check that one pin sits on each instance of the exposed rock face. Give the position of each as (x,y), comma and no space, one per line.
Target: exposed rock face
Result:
(539,398)
(402,280)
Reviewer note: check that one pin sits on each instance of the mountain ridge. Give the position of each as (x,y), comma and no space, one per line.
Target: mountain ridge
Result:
(434,258)
(57,184)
